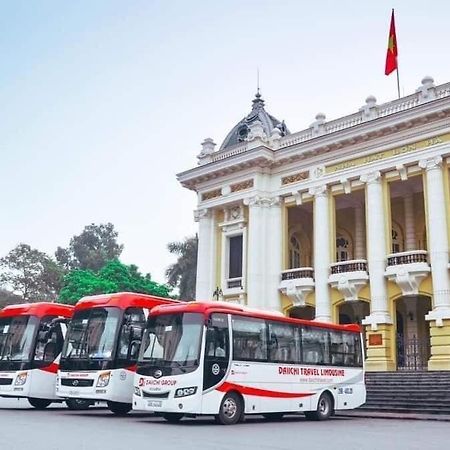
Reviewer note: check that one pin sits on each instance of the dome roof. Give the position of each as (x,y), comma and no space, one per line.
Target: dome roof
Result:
(240,132)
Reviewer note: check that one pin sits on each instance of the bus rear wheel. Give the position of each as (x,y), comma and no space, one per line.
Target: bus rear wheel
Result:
(173,417)
(324,408)
(231,409)
(78,404)
(39,403)
(119,409)
(273,416)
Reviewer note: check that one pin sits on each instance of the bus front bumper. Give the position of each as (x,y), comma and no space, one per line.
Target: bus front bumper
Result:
(11,386)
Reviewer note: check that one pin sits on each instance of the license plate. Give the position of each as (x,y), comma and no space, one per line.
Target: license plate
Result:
(154,403)
(74,393)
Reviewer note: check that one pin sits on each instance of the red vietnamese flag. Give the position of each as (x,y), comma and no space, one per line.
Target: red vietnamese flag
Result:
(391,56)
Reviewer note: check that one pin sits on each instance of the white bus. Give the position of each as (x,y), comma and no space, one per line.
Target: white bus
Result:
(227,361)
(101,348)
(31,339)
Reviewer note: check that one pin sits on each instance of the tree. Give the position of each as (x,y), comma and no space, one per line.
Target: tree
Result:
(8,298)
(183,273)
(92,249)
(30,273)
(113,277)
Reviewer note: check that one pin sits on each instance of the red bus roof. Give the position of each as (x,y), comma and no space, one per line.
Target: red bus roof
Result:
(122,300)
(222,307)
(40,309)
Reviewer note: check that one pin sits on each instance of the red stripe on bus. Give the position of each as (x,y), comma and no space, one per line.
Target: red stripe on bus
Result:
(132,368)
(52,368)
(225,387)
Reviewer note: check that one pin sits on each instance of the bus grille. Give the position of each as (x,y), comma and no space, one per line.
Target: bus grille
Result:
(155,395)
(75,382)
(5,381)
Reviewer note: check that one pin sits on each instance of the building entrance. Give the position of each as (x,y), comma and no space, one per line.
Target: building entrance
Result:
(412,333)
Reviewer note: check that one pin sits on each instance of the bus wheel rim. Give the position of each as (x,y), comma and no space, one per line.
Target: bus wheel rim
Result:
(229,408)
(323,406)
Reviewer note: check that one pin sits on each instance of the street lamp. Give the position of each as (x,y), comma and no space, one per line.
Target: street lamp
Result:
(217,293)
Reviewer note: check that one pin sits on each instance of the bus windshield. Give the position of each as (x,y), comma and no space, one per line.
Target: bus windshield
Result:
(92,334)
(16,337)
(173,340)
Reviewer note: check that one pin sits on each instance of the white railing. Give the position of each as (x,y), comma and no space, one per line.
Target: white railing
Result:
(354,265)
(342,123)
(411,257)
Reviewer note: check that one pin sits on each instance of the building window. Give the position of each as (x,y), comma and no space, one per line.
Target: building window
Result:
(344,250)
(397,238)
(235,257)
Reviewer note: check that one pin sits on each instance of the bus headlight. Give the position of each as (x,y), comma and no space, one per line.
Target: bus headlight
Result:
(184,392)
(21,379)
(137,391)
(103,379)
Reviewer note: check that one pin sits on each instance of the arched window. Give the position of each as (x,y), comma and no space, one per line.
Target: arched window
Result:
(294,252)
(397,238)
(344,250)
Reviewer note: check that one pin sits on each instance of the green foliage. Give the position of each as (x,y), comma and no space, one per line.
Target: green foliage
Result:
(30,273)
(183,273)
(113,277)
(92,249)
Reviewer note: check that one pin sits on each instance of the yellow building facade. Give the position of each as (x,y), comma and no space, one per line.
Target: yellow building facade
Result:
(346,221)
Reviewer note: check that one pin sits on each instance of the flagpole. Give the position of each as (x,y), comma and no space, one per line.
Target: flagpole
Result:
(398,82)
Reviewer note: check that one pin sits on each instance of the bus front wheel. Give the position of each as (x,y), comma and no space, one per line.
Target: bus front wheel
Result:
(39,403)
(324,408)
(231,409)
(119,409)
(173,417)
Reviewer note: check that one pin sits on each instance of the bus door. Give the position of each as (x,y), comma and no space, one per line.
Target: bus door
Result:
(130,337)
(217,351)
(49,342)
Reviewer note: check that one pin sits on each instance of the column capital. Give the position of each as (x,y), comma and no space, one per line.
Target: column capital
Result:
(203,213)
(318,191)
(431,163)
(371,177)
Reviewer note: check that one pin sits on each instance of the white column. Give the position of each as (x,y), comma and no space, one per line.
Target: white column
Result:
(410,226)
(273,254)
(376,250)
(206,256)
(437,238)
(322,257)
(255,255)
(360,252)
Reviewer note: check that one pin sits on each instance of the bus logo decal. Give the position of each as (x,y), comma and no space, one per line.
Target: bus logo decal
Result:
(215,369)
(157,373)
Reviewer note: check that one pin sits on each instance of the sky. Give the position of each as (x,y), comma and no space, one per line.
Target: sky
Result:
(102,102)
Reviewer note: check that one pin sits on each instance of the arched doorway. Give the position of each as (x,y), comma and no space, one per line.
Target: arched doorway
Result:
(412,332)
(353,312)
(302,312)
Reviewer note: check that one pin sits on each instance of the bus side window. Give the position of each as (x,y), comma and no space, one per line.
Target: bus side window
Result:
(249,339)
(49,341)
(282,346)
(131,333)
(315,346)
(217,337)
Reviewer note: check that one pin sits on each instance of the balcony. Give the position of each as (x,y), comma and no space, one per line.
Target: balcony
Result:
(348,277)
(233,287)
(408,270)
(297,284)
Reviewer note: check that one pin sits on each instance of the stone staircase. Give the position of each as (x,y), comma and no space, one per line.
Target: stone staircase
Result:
(408,392)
